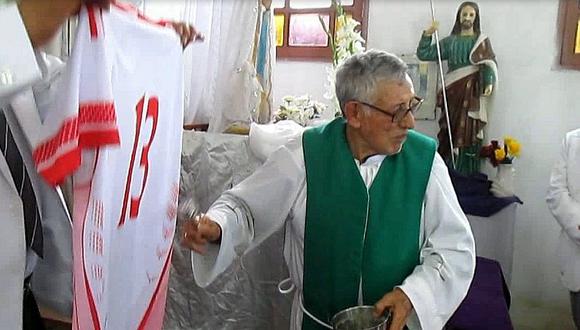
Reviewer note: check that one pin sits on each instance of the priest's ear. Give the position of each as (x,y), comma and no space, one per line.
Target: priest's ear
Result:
(353,113)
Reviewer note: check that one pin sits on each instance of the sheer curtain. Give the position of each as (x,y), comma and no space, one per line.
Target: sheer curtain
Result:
(221,82)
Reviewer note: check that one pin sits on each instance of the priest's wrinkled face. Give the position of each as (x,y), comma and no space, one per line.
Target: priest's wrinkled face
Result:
(388,117)
(467,17)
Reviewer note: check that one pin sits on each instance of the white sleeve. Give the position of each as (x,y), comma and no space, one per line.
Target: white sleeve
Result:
(563,206)
(439,283)
(252,211)
(18,66)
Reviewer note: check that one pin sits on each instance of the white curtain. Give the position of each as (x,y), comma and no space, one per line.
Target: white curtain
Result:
(221,83)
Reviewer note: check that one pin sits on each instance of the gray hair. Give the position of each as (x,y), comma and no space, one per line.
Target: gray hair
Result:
(357,77)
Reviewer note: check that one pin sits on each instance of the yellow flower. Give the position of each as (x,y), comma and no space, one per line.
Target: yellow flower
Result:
(508,139)
(499,154)
(514,148)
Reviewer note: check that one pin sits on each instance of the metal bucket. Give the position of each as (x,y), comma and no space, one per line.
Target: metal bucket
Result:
(359,318)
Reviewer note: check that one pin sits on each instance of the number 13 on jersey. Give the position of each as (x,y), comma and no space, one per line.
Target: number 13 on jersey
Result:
(152,113)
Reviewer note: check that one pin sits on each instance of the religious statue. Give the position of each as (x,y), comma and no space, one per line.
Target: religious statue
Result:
(472,73)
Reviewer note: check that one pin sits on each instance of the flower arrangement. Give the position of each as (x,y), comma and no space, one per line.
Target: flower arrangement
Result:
(501,154)
(300,109)
(346,42)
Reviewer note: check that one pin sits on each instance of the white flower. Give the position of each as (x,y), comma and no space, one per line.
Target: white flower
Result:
(300,109)
(347,42)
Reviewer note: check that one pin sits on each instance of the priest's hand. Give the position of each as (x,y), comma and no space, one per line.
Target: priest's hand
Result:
(400,306)
(198,232)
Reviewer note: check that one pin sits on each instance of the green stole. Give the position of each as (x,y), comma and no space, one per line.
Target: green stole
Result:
(337,251)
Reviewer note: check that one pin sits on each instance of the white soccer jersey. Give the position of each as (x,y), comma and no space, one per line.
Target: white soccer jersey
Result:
(116,127)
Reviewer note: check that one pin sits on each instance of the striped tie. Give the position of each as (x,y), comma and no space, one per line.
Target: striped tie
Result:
(32,224)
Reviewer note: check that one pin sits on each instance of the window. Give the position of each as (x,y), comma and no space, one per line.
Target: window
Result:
(299,33)
(570,26)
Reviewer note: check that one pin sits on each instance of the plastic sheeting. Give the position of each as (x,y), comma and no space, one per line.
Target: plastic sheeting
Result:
(245,296)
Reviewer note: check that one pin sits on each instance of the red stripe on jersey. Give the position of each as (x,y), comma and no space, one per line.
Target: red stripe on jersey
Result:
(163,278)
(67,163)
(92,22)
(60,155)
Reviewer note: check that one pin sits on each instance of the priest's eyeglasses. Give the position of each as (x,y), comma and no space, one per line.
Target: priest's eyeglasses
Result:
(401,112)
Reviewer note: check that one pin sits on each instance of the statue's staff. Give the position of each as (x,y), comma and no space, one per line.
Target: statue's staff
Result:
(444,91)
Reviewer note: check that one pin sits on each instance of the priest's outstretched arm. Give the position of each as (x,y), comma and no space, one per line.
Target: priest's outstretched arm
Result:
(244,216)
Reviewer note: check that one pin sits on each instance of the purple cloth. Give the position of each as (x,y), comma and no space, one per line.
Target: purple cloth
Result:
(474,196)
(487,302)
